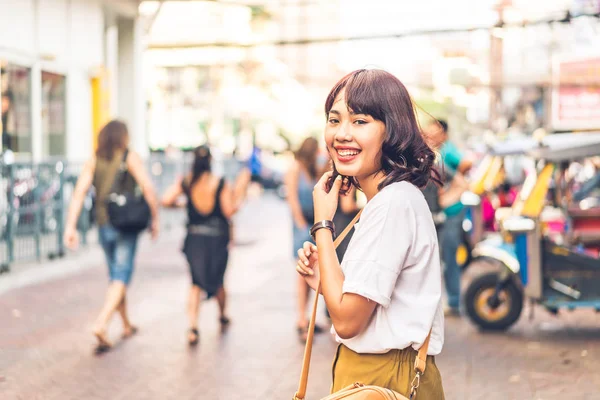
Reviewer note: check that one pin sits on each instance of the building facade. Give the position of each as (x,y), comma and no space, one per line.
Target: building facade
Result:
(67,67)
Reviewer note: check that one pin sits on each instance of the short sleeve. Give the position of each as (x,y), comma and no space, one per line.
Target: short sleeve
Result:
(451,156)
(379,248)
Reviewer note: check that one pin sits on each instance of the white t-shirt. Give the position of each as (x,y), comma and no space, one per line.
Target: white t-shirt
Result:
(393,259)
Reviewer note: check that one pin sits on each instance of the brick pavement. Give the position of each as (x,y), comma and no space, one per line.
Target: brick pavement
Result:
(46,345)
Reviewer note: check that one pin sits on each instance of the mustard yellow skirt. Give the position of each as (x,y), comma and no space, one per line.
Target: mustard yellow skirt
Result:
(393,370)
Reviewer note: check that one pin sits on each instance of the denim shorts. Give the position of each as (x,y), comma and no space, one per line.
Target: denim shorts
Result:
(119,249)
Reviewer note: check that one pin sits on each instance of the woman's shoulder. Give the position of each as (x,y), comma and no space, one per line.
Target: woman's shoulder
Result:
(399,198)
(400,193)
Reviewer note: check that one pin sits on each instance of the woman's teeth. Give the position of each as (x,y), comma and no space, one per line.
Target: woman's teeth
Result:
(348,153)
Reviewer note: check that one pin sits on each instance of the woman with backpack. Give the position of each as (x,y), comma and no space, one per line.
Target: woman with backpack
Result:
(111,158)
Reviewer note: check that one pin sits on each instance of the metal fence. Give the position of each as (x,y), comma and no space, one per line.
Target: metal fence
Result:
(32,206)
(34,200)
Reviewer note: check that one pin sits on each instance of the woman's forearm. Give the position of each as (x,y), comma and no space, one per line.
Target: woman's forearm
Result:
(81,187)
(74,209)
(350,312)
(150,197)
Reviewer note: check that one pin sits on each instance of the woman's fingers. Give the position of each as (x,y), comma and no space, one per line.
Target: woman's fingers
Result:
(303,266)
(322,184)
(303,269)
(309,248)
(337,185)
(303,258)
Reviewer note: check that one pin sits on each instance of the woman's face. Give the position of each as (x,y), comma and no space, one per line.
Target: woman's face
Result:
(353,140)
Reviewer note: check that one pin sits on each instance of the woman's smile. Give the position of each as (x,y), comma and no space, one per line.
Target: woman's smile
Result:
(345,154)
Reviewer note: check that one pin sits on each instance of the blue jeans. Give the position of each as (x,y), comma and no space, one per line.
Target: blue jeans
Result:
(451,237)
(119,249)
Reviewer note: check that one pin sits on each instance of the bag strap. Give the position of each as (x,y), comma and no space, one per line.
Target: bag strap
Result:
(311,327)
(420,361)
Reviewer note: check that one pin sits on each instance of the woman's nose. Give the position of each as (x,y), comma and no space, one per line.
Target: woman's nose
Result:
(343,134)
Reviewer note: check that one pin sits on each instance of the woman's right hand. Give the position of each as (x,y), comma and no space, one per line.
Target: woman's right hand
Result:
(71,238)
(308,264)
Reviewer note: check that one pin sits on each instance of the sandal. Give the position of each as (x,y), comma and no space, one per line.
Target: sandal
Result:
(196,339)
(103,343)
(132,331)
(224,321)
(101,348)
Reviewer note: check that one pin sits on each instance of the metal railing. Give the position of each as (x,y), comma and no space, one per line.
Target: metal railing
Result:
(34,198)
(32,206)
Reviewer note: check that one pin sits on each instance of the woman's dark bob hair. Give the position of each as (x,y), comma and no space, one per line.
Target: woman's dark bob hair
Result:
(405,156)
(112,137)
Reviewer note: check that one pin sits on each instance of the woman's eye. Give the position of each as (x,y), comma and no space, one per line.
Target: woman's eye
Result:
(333,121)
(360,122)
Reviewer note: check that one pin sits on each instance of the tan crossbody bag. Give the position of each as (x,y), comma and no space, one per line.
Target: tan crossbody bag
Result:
(357,391)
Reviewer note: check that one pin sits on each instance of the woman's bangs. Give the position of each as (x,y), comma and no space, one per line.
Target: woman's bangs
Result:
(363,96)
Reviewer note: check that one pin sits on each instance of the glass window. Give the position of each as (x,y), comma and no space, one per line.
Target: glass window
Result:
(53,114)
(15,87)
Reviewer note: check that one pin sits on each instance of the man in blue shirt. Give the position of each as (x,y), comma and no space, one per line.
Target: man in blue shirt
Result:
(454,165)
(255,165)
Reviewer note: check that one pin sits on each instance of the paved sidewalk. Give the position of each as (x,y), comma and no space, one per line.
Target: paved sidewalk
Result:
(46,342)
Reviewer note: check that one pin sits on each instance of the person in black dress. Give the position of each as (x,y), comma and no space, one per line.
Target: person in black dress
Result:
(210,205)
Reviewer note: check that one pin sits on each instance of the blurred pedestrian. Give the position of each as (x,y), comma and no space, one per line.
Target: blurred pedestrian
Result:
(300,181)
(385,298)
(454,166)
(255,164)
(211,202)
(119,246)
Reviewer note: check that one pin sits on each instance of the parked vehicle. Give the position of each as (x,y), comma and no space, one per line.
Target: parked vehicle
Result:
(489,191)
(534,265)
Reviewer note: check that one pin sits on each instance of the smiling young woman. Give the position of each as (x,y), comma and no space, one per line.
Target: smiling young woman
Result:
(385,297)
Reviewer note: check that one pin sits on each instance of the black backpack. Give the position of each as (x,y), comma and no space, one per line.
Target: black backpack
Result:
(128,211)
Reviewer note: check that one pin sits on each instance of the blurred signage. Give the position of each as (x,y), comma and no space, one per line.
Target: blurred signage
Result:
(576,93)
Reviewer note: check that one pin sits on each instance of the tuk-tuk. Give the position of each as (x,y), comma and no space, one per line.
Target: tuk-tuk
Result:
(486,179)
(473,222)
(554,274)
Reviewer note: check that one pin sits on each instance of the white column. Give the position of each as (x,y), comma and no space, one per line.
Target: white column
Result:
(111,38)
(139,88)
(36,91)
(130,94)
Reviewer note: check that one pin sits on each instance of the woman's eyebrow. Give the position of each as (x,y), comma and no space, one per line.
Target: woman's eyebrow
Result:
(336,112)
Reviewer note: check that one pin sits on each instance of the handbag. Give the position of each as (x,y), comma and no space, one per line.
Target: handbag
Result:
(128,211)
(357,391)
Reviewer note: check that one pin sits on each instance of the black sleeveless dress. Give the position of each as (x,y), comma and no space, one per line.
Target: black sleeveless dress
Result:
(205,245)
